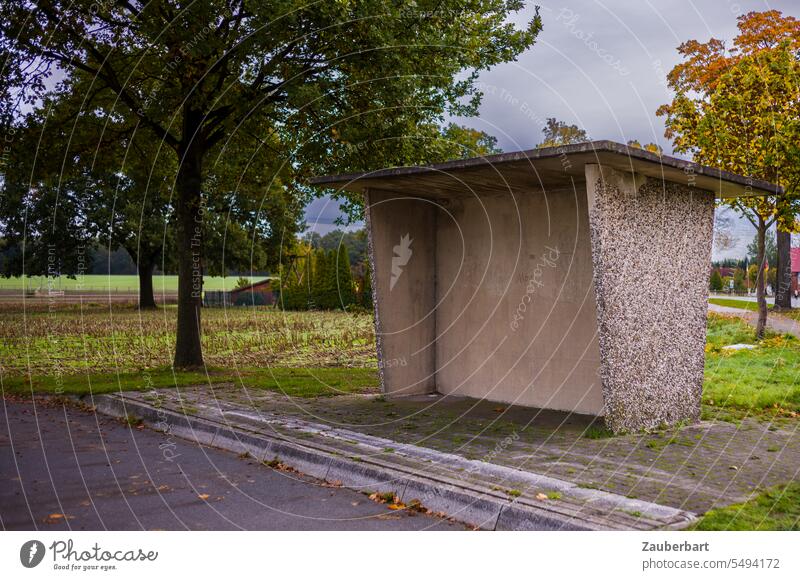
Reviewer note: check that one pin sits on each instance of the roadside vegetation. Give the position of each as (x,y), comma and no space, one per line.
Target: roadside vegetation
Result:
(764,380)
(774,509)
(734,303)
(292,382)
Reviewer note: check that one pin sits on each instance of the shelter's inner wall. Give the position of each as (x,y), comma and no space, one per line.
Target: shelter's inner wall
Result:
(651,244)
(402,238)
(516,319)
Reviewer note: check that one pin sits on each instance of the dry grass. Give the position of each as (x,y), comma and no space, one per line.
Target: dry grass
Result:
(99,338)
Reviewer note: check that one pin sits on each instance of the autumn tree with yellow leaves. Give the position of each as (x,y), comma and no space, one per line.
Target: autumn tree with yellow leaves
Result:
(739,109)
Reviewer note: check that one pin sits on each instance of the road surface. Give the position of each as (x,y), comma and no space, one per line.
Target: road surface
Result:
(64,468)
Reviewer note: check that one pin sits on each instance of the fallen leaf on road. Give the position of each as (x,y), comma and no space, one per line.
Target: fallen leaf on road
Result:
(541,496)
(57,518)
(203,496)
(396,506)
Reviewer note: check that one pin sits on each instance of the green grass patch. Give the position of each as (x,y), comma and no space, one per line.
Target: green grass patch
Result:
(765,379)
(723,330)
(775,509)
(294,382)
(596,431)
(734,303)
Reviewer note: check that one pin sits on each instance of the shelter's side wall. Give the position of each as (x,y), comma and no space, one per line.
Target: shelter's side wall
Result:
(516,319)
(402,238)
(651,247)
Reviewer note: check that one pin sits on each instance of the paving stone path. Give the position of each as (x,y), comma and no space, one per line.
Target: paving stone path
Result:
(694,468)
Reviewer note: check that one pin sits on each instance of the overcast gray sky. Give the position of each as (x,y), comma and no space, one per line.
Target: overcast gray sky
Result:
(600,65)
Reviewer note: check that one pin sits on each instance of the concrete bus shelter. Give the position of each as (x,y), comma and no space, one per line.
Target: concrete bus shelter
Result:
(572,278)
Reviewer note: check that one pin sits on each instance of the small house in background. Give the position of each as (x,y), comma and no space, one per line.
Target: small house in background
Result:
(256,294)
(795,271)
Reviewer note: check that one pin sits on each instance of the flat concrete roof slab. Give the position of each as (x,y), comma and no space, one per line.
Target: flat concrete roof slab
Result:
(539,169)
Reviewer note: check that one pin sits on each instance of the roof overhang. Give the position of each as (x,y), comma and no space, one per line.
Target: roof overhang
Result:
(543,169)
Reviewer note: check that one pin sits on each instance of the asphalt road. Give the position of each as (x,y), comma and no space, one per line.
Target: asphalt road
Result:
(64,468)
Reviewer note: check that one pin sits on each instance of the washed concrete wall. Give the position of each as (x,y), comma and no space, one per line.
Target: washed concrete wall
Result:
(516,320)
(651,246)
(402,241)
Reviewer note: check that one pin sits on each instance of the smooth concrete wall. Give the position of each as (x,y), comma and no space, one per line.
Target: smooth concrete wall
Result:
(402,242)
(651,244)
(516,319)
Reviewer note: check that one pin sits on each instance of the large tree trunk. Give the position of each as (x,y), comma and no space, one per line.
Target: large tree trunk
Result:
(783,281)
(147,298)
(760,280)
(189,213)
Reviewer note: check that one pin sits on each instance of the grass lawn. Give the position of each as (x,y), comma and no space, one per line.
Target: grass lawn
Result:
(116,283)
(294,382)
(762,380)
(775,509)
(734,303)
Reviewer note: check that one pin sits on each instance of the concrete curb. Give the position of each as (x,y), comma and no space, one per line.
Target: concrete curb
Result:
(466,501)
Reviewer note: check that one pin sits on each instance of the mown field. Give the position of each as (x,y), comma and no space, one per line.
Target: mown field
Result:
(97,339)
(116,283)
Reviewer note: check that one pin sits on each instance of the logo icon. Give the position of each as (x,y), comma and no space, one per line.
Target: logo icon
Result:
(402,254)
(31,553)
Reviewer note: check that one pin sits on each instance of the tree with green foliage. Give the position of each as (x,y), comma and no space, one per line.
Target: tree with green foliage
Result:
(296,278)
(43,228)
(323,285)
(716,281)
(365,297)
(770,249)
(344,279)
(209,76)
(558,133)
(739,286)
(471,142)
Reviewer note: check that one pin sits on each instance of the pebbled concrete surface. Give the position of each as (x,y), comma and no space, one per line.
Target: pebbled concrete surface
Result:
(651,334)
(64,468)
